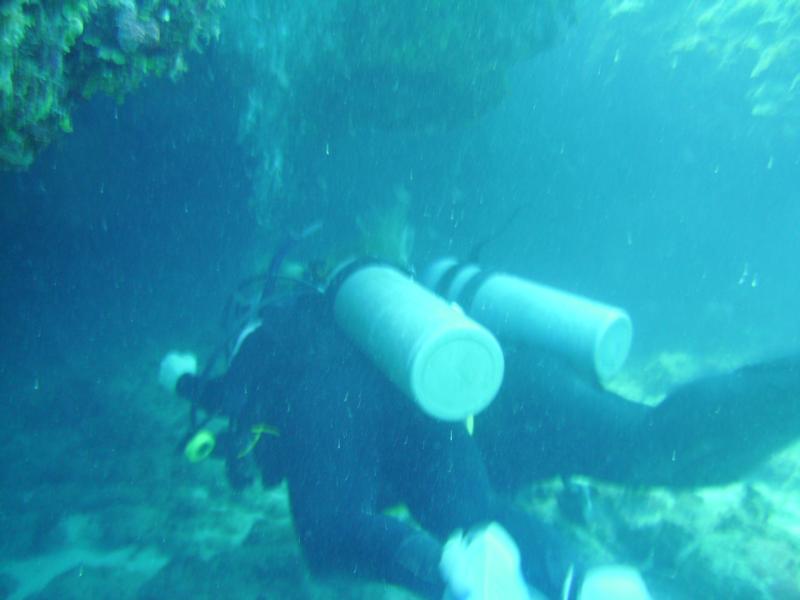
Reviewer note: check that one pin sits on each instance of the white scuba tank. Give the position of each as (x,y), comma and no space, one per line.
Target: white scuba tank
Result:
(593,336)
(446,362)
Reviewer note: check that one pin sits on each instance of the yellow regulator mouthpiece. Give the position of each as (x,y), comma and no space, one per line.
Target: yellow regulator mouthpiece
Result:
(200,446)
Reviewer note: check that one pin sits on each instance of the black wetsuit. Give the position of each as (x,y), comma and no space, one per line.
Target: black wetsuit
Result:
(351,444)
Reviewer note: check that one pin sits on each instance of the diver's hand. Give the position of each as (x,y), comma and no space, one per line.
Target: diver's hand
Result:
(613,582)
(174,366)
(484,566)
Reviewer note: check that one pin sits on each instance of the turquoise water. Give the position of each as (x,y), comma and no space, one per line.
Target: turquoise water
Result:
(651,152)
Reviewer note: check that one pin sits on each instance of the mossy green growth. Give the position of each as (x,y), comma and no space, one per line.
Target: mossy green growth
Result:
(53,53)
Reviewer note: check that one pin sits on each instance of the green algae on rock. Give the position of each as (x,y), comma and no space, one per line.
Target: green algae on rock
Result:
(52,54)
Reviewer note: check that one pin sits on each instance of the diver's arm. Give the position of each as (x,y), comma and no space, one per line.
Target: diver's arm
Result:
(189,387)
(256,356)
(178,375)
(373,545)
(481,566)
(205,393)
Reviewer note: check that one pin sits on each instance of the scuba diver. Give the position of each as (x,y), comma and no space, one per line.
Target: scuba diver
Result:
(376,391)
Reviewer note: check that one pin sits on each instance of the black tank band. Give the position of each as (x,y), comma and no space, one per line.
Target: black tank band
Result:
(339,277)
(469,291)
(446,280)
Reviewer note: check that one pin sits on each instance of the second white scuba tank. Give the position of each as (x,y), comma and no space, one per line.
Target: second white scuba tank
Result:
(593,336)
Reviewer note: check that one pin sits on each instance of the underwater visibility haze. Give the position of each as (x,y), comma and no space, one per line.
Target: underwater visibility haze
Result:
(155,154)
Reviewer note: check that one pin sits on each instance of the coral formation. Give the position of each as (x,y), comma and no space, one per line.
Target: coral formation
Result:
(363,65)
(412,62)
(762,32)
(387,63)
(54,53)
(758,37)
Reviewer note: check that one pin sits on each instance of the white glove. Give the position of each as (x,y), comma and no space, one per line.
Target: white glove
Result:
(174,366)
(613,582)
(484,566)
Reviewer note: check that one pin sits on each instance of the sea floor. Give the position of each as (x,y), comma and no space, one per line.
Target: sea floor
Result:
(109,509)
